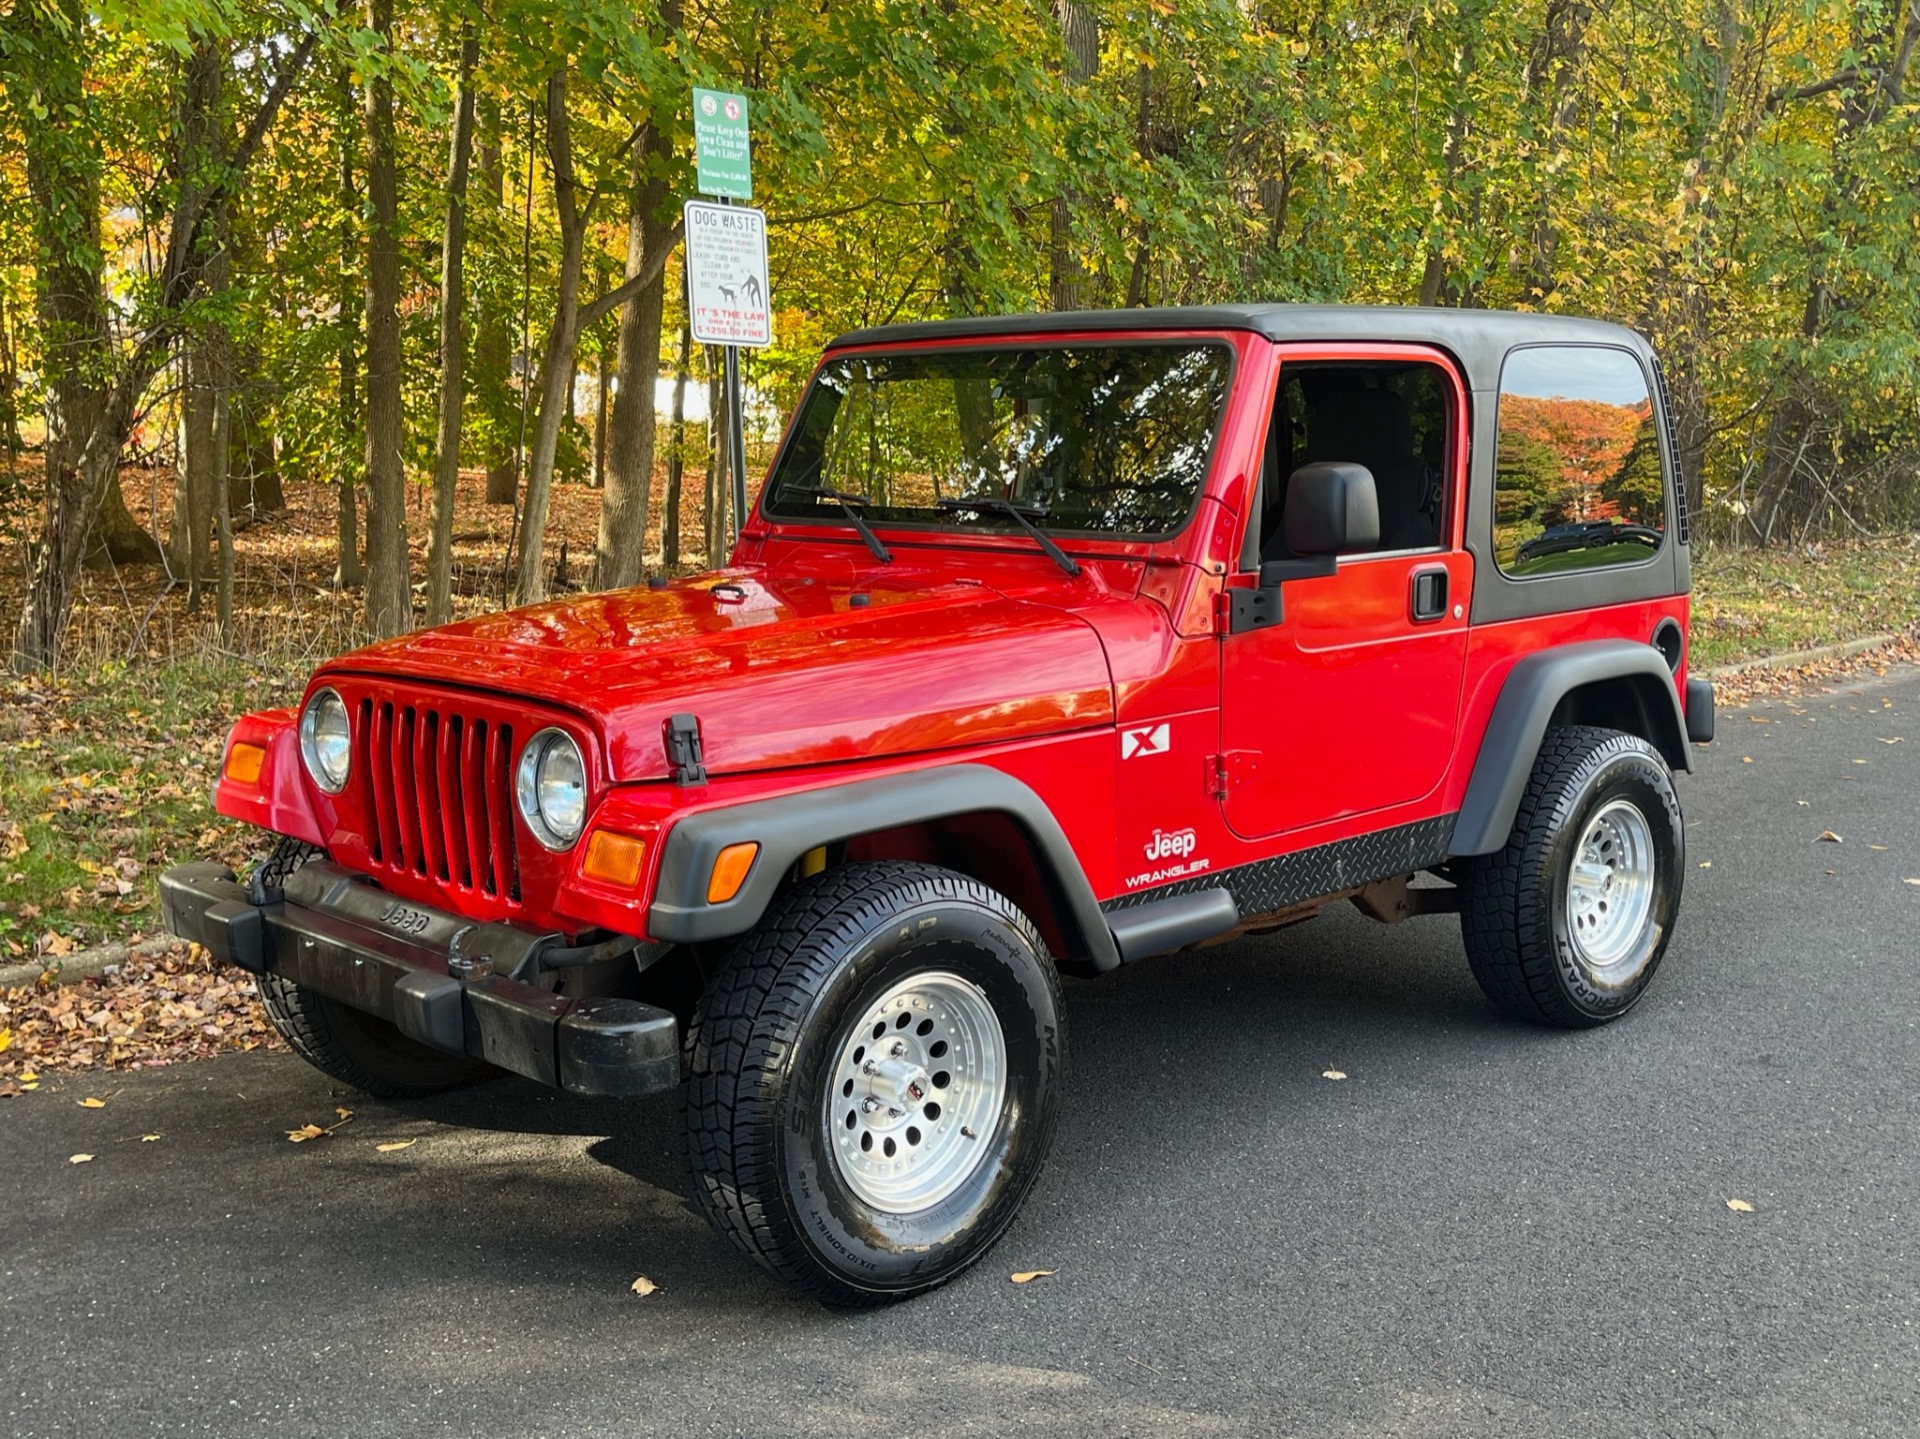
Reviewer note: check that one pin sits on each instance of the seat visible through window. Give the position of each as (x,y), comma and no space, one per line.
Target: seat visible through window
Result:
(1392,418)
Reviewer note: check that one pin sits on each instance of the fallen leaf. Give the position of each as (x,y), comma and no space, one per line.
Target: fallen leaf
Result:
(91,1103)
(642,1286)
(1706,864)
(1894,740)
(344,1113)
(1827,836)
(6,1040)
(1333,1074)
(397,1145)
(306,1132)
(1027,1276)
(1911,879)
(1746,759)
(1802,803)
(1859,761)
(1880,847)
(1759,719)
(148,1138)
(1739,1206)
(79,1159)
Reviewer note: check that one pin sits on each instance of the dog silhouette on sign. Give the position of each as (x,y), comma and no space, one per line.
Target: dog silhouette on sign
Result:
(731,296)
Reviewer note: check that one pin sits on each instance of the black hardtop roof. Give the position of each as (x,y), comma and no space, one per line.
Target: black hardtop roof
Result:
(1480,339)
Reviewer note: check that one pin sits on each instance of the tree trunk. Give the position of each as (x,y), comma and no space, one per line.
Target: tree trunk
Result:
(348,573)
(620,554)
(493,344)
(94,387)
(187,554)
(63,183)
(530,577)
(217,477)
(117,538)
(389,603)
(1080,40)
(9,388)
(253,482)
(453,341)
(718,428)
(676,454)
(602,373)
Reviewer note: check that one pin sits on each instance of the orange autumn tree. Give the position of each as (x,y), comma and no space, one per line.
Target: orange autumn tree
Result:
(1564,461)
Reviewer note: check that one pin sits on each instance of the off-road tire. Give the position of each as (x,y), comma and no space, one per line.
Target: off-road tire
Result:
(358,1049)
(1515,917)
(765,1052)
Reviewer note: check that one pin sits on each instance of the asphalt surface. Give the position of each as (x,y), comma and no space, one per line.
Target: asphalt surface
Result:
(1484,1229)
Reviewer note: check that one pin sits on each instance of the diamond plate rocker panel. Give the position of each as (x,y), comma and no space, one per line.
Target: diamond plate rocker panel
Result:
(1273,884)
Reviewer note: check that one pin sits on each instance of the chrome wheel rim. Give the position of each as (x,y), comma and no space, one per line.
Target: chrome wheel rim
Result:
(1610,887)
(916,1092)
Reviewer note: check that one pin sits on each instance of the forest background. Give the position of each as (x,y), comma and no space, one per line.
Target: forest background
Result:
(253,244)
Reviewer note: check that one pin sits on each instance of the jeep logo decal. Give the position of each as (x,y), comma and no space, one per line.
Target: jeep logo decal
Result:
(1170,844)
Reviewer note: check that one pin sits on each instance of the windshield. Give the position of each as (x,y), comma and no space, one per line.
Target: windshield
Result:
(1105,439)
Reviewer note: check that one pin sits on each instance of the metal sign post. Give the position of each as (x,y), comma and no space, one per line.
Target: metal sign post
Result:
(727,260)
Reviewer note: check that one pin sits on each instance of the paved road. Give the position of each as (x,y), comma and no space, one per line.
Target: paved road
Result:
(1484,1230)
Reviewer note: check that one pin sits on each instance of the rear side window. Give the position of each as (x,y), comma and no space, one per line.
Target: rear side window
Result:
(1579,483)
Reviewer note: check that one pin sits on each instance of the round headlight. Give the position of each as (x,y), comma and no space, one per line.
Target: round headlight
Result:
(551,787)
(326,742)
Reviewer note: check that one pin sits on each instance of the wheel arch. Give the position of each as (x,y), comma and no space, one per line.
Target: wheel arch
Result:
(964,816)
(1615,684)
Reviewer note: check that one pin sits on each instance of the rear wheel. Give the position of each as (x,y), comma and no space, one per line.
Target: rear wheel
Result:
(1567,924)
(875,1075)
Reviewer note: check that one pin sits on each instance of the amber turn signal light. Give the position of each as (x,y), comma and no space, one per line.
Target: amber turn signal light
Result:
(613,858)
(244,763)
(730,871)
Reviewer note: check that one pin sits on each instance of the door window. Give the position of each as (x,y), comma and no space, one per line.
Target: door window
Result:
(1391,417)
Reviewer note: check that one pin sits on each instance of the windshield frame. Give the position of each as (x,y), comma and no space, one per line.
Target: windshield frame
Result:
(999,528)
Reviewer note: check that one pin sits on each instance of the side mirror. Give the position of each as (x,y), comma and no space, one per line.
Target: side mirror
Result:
(1332,509)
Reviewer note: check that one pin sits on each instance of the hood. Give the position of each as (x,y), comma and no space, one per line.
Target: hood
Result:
(781,672)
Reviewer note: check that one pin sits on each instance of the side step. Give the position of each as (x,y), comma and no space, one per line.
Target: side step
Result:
(1164,925)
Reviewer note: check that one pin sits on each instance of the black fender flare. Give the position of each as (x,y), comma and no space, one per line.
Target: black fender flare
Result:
(787,826)
(1533,689)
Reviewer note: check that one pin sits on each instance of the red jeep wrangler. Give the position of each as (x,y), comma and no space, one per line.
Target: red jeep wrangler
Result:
(1054,643)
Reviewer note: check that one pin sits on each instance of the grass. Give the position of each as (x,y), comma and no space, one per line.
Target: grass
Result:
(107,782)
(1751,603)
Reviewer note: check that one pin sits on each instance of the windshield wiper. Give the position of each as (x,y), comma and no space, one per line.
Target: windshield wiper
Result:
(852,504)
(1024,515)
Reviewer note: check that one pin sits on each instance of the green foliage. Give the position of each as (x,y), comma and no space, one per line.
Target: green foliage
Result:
(1739,180)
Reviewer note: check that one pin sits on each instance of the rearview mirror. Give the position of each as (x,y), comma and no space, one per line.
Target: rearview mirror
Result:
(1332,509)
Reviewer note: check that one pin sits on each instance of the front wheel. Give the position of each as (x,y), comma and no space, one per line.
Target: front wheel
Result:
(1566,925)
(876,1072)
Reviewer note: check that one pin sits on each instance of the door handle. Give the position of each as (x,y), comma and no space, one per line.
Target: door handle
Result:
(1429,599)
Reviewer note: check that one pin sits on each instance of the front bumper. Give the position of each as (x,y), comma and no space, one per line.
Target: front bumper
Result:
(338,933)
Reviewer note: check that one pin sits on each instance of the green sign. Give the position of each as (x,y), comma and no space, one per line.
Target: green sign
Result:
(722,156)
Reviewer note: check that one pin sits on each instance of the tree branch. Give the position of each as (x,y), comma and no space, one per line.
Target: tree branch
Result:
(177,276)
(1787,94)
(594,311)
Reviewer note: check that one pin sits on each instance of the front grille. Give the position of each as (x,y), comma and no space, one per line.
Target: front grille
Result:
(436,793)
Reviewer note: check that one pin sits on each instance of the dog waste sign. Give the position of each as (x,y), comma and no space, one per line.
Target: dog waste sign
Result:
(727,274)
(722,157)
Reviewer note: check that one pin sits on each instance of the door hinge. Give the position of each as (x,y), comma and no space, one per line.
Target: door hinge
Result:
(1235,611)
(1217,776)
